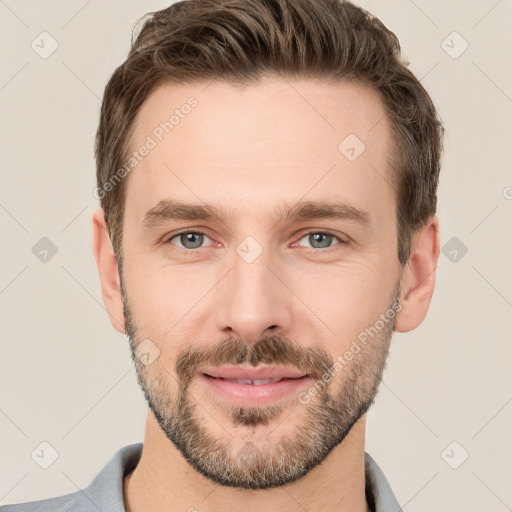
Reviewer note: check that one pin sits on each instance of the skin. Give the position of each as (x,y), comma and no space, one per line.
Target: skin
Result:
(249,150)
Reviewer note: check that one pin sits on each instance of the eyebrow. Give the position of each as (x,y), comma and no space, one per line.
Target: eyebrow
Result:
(172,209)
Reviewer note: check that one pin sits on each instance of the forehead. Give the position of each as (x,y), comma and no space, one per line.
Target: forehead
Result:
(269,109)
(224,144)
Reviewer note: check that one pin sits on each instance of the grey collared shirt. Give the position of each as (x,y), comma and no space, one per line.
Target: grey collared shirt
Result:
(105,492)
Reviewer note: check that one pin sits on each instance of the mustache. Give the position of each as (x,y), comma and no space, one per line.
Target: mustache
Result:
(272,350)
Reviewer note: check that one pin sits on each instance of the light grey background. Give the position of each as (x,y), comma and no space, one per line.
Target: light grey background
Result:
(66,375)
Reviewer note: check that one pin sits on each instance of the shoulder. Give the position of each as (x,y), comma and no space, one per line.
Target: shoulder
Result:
(104,493)
(75,501)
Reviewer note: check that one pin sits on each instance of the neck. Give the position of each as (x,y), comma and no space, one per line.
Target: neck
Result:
(164,480)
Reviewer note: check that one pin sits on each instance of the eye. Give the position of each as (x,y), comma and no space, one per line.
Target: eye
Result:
(191,240)
(188,239)
(321,239)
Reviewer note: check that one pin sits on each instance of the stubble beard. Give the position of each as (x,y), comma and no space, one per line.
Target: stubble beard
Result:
(325,420)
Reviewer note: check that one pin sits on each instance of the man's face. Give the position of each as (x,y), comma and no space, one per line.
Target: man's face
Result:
(259,290)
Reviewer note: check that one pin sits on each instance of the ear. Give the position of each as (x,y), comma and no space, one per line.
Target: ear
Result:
(419,277)
(108,270)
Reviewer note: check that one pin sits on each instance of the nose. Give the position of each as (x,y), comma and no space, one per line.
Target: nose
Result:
(254,302)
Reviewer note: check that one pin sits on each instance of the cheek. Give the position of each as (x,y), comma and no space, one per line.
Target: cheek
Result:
(164,299)
(345,298)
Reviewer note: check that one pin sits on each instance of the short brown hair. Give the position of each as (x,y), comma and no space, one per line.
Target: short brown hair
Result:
(241,42)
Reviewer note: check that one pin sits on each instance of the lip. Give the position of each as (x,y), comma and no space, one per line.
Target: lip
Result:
(251,395)
(240,372)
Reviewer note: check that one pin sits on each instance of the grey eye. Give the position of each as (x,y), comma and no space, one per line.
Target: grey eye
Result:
(320,240)
(189,239)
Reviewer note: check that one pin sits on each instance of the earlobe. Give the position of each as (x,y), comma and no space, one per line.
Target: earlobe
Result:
(106,262)
(419,277)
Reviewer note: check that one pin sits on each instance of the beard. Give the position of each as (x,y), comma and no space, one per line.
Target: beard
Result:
(327,417)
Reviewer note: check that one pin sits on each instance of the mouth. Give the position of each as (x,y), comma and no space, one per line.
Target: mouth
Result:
(239,373)
(253,382)
(251,387)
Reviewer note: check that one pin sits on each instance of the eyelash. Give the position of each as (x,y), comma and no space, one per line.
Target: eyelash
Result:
(199,232)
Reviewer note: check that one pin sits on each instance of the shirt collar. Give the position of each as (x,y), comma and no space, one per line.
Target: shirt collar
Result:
(379,494)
